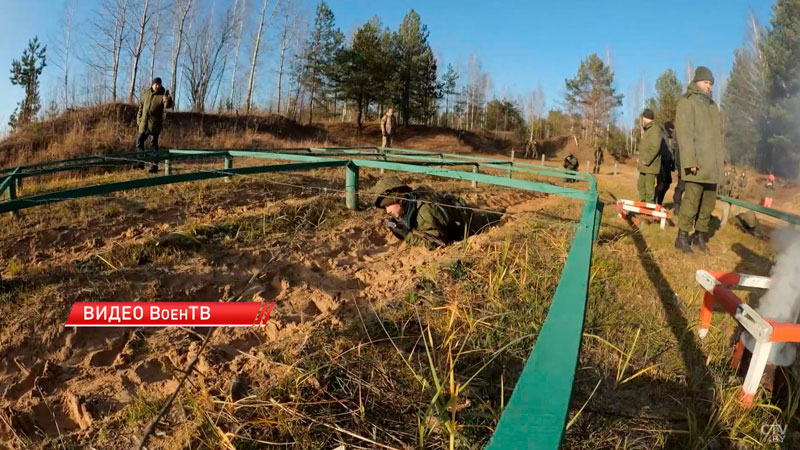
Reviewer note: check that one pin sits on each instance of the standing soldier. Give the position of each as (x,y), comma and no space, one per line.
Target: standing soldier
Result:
(699,131)
(649,164)
(742,183)
(598,159)
(664,177)
(153,103)
(725,188)
(388,125)
(770,191)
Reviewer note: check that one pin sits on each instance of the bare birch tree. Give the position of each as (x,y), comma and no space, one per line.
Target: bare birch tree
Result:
(63,50)
(155,38)
(136,53)
(256,49)
(108,34)
(205,52)
(181,8)
(239,9)
(288,35)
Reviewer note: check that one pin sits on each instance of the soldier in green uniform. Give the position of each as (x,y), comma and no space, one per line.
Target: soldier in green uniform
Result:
(571,163)
(598,159)
(649,157)
(742,183)
(725,188)
(672,141)
(699,131)
(152,104)
(422,217)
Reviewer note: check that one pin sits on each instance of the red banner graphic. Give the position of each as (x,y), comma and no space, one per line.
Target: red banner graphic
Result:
(169,314)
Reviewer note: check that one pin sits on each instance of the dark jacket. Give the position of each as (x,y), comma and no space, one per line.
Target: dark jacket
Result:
(699,130)
(152,106)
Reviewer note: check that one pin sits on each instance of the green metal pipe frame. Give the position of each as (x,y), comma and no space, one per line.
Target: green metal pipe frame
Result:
(536,414)
(537,411)
(782,215)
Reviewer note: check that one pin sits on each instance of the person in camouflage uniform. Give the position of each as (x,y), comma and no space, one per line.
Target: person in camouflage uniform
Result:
(153,103)
(649,164)
(571,163)
(598,159)
(422,217)
(388,124)
(725,188)
(699,130)
(741,183)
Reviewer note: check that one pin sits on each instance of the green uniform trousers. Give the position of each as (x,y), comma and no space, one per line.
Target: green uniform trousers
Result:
(698,201)
(647,187)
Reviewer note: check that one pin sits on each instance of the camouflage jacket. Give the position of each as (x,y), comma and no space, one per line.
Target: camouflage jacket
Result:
(440,219)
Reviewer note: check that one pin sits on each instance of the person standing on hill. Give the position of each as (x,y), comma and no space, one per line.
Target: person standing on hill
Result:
(699,130)
(388,124)
(598,159)
(649,164)
(770,191)
(153,103)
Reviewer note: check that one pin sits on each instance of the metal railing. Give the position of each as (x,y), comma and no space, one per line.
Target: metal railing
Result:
(536,414)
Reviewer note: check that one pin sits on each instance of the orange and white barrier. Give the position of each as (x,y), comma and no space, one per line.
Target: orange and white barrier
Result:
(649,209)
(764,331)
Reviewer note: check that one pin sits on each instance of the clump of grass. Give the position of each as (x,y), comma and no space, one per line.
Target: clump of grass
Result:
(141,409)
(15,267)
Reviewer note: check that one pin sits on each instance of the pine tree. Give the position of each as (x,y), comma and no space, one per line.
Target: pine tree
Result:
(744,104)
(668,91)
(318,58)
(592,94)
(780,145)
(449,82)
(361,71)
(25,73)
(416,70)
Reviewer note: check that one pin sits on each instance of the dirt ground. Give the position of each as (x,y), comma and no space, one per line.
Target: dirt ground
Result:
(348,295)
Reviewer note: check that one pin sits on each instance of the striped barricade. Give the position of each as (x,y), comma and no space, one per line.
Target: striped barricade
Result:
(764,331)
(626,207)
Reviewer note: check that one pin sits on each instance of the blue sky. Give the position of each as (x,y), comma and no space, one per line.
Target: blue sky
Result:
(520,43)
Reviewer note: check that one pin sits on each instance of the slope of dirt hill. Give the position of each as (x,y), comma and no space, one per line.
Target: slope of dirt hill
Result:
(111,128)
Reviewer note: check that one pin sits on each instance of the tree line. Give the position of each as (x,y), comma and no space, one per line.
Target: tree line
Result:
(761,105)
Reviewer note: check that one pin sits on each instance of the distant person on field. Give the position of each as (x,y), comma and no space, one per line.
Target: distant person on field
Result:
(388,124)
(531,149)
(423,217)
(770,191)
(153,103)
(649,164)
(699,129)
(598,159)
(571,163)
(742,183)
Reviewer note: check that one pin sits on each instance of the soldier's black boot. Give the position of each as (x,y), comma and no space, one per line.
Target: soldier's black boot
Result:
(682,242)
(699,240)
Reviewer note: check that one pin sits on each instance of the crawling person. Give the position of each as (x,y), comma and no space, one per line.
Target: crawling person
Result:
(423,217)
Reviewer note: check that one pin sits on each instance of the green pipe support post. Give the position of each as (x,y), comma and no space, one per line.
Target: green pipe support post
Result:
(351,186)
(228,165)
(167,167)
(475,169)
